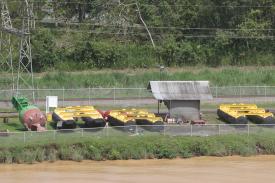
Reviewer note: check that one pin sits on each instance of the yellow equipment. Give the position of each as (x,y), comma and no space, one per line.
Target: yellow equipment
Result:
(127,117)
(241,113)
(66,117)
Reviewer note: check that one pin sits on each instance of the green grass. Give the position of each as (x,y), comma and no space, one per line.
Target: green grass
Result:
(13,125)
(137,147)
(226,76)
(221,77)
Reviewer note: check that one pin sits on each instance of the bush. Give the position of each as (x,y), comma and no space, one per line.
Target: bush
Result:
(146,147)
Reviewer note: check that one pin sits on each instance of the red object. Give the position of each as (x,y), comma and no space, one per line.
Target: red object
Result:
(106,114)
(34,119)
(198,122)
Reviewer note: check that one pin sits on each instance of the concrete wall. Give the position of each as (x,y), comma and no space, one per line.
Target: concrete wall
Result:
(186,109)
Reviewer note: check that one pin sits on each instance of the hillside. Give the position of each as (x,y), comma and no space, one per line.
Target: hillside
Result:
(74,35)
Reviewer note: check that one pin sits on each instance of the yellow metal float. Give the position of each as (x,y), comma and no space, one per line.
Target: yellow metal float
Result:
(128,117)
(66,117)
(241,113)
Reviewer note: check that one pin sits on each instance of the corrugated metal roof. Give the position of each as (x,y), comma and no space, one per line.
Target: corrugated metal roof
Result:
(180,90)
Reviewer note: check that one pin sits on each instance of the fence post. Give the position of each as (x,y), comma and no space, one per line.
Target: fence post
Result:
(63,97)
(216,91)
(107,131)
(219,125)
(164,130)
(240,90)
(139,96)
(136,129)
(248,130)
(24,137)
(191,130)
(265,94)
(37,95)
(114,95)
(82,132)
(54,134)
(89,95)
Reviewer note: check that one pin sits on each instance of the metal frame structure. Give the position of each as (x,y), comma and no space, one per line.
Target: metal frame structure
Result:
(24,68)
(6,64)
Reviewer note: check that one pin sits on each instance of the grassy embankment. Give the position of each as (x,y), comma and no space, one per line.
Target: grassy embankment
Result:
(224,76)
(137,147)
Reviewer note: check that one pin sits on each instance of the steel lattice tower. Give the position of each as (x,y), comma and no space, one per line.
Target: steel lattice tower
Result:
(25,70)
(24,66)
(6,65)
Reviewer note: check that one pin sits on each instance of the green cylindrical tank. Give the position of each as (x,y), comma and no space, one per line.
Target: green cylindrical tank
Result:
(30,115)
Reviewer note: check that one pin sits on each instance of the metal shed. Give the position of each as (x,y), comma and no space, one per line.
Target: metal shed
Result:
(182,98)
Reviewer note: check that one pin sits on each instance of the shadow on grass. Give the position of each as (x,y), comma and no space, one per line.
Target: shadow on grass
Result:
(16,126)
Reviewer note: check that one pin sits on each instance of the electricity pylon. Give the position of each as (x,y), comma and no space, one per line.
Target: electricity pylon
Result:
(6,65)
(24,66)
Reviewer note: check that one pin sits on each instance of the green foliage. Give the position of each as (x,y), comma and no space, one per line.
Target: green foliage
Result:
(97,55)
(145,147)
(44,54)
(78,49)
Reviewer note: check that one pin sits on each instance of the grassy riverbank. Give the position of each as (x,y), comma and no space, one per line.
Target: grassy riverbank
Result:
(223,76)
(138,147)
(140,78)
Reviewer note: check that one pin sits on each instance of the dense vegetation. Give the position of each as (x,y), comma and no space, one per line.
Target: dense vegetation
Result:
(145,147)
(110,34)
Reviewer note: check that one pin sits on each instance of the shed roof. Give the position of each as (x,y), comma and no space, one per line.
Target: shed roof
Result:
(180,90)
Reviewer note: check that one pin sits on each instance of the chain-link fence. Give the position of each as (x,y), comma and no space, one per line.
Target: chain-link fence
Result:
(8,138)
(135,97)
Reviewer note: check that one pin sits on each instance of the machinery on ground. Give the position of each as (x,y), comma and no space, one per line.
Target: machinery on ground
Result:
(129,117)
(243,113)
(66,117)
(30,115)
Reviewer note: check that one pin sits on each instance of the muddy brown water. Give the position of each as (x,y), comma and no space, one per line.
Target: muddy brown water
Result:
(194,170)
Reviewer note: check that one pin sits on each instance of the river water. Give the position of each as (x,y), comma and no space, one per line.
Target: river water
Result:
(195,170)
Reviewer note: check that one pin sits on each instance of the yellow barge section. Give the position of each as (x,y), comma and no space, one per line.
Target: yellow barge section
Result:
(128,117)
(66,117)
(243,113)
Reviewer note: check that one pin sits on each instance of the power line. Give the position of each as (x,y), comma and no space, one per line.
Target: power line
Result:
(184,35)
(155,5)
(150,27)
(166,27)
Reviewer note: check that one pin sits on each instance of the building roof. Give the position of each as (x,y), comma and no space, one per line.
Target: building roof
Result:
(180,90)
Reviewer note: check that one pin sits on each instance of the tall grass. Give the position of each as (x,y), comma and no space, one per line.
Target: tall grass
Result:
(145,147)
(140,78)
(222,77)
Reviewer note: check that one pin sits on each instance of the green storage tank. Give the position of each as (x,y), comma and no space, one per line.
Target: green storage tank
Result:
(30,115)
